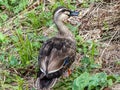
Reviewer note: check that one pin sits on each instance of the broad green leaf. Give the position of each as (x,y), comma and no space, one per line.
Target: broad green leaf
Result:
(110,82)
(91,82)
(81,82)
(13,61)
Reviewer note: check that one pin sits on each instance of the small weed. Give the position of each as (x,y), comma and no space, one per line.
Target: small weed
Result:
(106,27)
(2,38)
(33,20)
(20,82)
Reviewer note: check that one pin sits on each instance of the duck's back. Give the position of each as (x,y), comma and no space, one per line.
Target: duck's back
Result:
(56,55)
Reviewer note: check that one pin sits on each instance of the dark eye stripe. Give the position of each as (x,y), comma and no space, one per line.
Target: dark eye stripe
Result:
(63,9)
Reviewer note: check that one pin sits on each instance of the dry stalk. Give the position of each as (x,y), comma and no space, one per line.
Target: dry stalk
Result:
(107,45)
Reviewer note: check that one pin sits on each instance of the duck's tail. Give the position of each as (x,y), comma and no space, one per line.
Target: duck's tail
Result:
(44,82)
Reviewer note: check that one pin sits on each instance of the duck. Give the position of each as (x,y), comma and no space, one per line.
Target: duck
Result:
(57,53)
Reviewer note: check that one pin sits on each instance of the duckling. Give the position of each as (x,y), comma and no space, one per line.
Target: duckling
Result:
(58,53)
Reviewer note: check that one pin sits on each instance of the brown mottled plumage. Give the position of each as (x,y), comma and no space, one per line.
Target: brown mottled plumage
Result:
(58,53)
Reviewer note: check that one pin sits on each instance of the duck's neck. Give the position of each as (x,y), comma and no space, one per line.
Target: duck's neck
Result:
(63,30)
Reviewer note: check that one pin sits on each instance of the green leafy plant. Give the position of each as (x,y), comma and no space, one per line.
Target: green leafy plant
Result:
(33,20)
(3,18)
(92,82)
(89,50)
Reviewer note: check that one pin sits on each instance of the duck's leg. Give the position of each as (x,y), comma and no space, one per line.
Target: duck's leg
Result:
(69,72)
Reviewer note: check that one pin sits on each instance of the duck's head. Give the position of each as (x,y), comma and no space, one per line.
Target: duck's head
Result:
(62,13)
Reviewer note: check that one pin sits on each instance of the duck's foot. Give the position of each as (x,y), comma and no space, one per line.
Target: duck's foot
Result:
(67,73)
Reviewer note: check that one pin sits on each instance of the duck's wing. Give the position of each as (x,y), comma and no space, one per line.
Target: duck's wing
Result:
(55,54)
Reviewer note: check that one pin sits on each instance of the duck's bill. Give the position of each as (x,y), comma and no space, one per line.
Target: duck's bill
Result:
(74,13)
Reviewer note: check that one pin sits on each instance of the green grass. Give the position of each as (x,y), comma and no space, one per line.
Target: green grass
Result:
(20,46)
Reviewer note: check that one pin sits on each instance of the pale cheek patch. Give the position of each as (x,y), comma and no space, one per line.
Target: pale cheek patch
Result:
(63,17)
